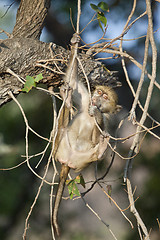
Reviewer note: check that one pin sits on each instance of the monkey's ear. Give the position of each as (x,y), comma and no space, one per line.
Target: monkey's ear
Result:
(118,108)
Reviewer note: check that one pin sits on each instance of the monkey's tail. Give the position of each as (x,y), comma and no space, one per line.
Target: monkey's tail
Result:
(62,179)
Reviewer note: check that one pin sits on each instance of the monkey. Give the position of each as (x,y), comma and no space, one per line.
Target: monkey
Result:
(80,140)
(103,103)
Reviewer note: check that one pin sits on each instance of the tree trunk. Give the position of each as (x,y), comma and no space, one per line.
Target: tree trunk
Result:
(30,18)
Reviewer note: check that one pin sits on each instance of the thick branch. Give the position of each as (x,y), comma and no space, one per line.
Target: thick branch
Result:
(30,57)
(30,18)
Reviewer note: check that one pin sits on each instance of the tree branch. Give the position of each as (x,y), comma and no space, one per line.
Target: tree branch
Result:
(30,18)
(22,54)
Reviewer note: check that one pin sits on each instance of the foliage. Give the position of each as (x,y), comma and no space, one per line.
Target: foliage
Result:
(100,10)
(31,82)
(72,186)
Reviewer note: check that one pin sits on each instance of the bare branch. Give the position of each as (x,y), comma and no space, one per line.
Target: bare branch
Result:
(135,212)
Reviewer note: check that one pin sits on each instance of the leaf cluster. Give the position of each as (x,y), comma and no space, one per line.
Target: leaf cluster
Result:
(31,82)
(100,10)
(72,186)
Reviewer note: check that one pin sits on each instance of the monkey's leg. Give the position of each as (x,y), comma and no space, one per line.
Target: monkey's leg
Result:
(102,146)
(66,93)
(62,179)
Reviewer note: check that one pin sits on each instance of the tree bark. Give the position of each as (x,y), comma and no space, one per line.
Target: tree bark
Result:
(30,18)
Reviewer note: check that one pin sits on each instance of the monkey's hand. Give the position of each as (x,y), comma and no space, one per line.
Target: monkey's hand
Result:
(92,110)
(75,39)
(95,112)
(66,93)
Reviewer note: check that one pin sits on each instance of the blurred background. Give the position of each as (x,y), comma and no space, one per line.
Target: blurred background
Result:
(19,186)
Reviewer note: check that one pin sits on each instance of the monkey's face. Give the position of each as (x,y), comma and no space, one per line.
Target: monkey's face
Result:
(105,99)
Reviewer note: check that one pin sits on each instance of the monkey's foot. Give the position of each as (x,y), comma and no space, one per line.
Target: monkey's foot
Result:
(75,39)
(66,93)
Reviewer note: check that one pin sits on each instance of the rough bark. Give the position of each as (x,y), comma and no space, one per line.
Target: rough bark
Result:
(30,18)
(22,54)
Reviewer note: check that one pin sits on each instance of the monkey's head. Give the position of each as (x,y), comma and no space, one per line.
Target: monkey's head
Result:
(105,99)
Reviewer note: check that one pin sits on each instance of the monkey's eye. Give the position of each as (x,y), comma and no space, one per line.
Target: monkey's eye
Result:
(99,92)
(105,96)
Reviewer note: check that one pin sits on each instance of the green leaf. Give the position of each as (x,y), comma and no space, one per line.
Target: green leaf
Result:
(75,190)
(103,6)
(30,82)
(38,78)
(77,179)
(94,7)
(99,22)
(82,182)
(72,188)
(102,18)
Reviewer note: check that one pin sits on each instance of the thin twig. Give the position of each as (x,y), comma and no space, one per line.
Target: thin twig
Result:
(96,214)
(15,75)
(143,233)
(122,212)
(100,178)
(51,205)
(49,68)
(122,34)
(134,210)
(26,137)
(35,200)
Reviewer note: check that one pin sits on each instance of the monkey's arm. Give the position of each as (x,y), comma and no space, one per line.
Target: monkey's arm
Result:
(95,112)
(73,89)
